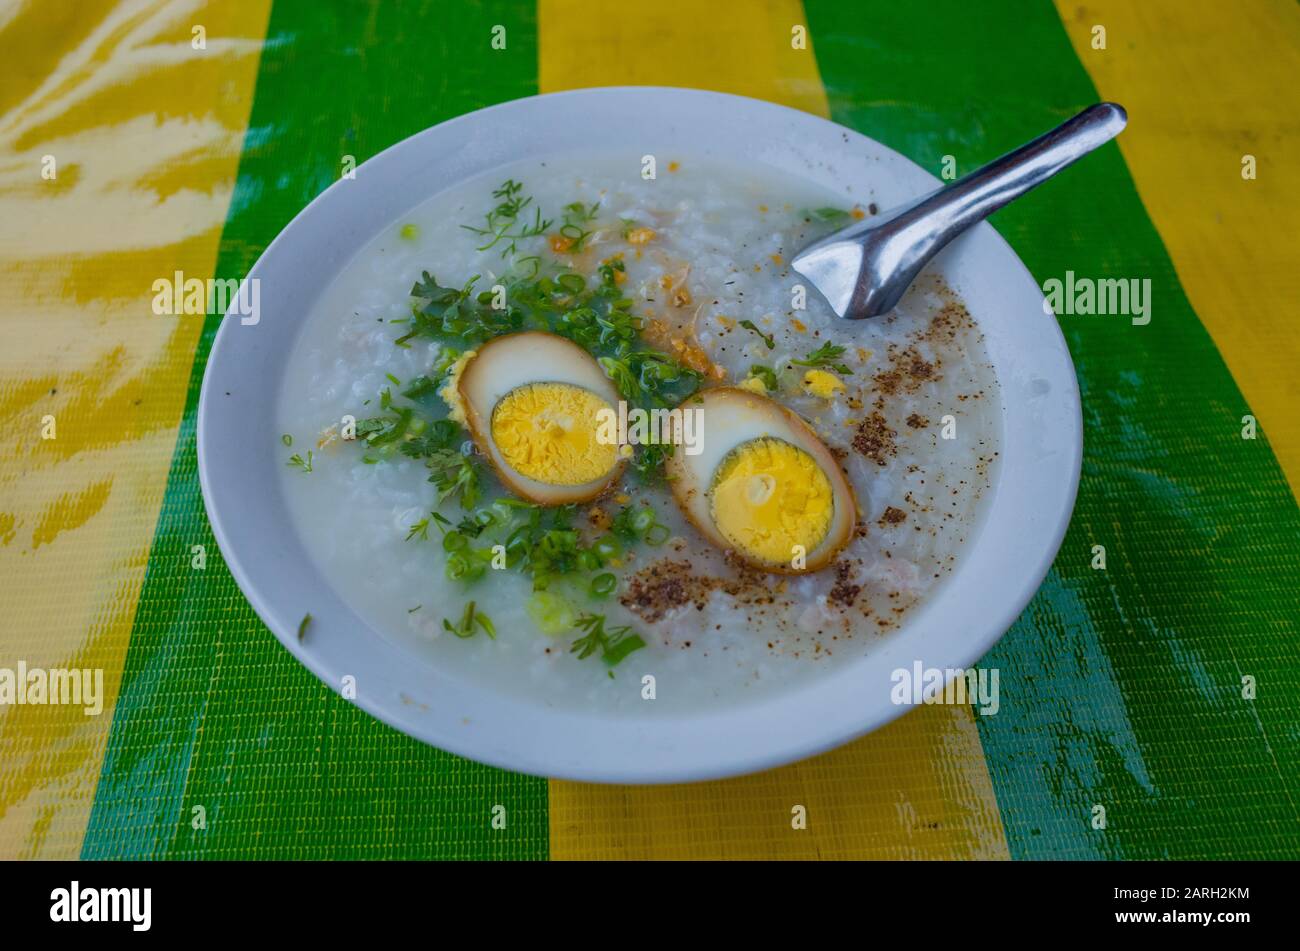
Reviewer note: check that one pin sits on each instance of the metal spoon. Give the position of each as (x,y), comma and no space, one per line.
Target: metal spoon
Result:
(863,270)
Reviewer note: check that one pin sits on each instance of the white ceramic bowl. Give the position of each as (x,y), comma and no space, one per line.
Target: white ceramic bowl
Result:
(1005,559)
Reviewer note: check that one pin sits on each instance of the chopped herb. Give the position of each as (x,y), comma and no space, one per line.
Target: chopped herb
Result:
(614,645)
(639,524)
(465,627)
(629,386)
(607,549)
(419,530)
(454,473)
(648,462)
(768,339)
(302,627)
(552,613)
(446,360)
(767,375)
(421,386)
(542,543)
(440,436)
(827,214)
(576,217)
(409,232)
(380,431)
(464,563)
(632,524)
(595,316)
(300,462)
(447,314)
(287,439)
(609,272)
(527,268)
(502,225)
(825,356)
(647,376)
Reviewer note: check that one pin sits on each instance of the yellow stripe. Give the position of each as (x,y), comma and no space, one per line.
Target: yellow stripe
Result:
(1206,83)
(680,43)
(918,789)
(145,132)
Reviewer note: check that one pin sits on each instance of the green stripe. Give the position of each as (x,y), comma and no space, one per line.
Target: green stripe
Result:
(1119,688)
(213,712)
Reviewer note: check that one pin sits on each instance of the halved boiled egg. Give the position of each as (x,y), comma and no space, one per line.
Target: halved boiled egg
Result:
(762,485)
(533,402)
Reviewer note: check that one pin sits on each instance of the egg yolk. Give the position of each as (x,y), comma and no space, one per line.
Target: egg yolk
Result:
(821,384)
(547,432)
(768,497)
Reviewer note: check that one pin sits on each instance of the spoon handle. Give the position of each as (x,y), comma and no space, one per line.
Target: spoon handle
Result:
(973,198)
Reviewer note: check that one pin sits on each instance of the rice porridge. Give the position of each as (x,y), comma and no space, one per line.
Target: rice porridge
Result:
(442,470)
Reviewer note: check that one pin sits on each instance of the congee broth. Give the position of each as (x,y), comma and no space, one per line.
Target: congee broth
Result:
(472,452)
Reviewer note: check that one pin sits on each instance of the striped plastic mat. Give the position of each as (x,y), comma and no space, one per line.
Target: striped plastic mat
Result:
(185,136)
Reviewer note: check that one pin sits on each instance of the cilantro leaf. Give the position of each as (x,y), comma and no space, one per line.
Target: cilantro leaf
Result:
(825,356)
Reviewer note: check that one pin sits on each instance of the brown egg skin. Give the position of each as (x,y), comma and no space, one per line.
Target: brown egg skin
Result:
(841,531)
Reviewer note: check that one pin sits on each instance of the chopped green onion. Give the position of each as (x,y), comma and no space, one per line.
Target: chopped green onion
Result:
(607,549)
(552,613)
(573,283)
(642,521)
(465,627)
(457,567)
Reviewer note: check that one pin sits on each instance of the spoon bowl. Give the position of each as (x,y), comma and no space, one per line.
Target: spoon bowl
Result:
(864,270)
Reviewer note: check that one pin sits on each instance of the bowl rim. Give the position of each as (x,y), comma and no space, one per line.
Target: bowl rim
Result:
(663,749)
